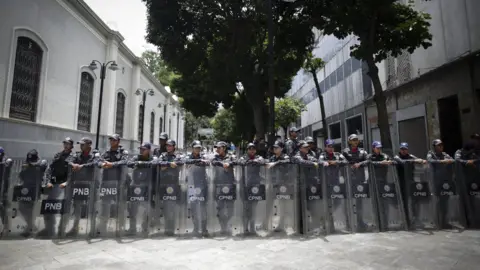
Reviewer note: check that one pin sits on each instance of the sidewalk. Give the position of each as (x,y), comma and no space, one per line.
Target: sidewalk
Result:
(383,251)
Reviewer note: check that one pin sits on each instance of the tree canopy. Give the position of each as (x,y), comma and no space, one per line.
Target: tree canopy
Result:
(214,44)
(158,67)
(382,27)
(193,125)
(287,110)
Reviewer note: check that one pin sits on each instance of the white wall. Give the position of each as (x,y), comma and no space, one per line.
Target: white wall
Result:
(454,27)
(71,38)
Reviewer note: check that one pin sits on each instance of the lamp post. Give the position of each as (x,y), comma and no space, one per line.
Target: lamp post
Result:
(112,65)
(144,98)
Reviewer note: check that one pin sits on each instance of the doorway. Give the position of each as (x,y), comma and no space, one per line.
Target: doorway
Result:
(450,125)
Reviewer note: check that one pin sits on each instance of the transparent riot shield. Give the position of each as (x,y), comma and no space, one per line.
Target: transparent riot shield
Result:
(335,177)
(197,188)
(226,213)
(138,202)
(52,219)
(23,197)
(469,183)
(169,212)
(363,207)
(80,204)
(283,206)
(110,201)
(254,199)
(5,173)
(449,204)
(314,210)
(421,206)
(389,197)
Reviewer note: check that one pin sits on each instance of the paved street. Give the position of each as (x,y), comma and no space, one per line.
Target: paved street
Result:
(396,250)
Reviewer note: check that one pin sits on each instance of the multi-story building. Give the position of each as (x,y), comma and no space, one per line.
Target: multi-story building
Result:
(432,93)
(48,90)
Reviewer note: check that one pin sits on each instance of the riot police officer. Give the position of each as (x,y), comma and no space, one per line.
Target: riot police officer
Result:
(332,161)
(437,154)
(197,187)
(278,157)
(86,158)
(357,158)
(31,177)
(144,176)
(111,162)
(405,159)
(308,172)
(56,174)
(162,141)
(5,168)
(292,142)
(169,180)
(224,178)
(312,145)
(252,163)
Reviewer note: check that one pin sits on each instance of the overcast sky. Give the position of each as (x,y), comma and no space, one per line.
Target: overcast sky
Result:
(126,16)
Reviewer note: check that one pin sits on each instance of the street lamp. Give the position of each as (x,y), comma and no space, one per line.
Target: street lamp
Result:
(144,98)
(112,65)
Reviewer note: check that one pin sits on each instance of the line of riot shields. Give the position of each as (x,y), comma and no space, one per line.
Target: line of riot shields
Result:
(205,200)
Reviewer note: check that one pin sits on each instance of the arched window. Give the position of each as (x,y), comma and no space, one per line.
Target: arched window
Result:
(161,124)
(178,125)
(85,103)
(165,117)
(26,79)
(140,123)
(120,114)
(152,126)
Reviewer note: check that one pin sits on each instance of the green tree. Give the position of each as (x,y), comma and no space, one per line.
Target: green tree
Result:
(158,67)
(214,44)
(193,124)
(287,110)
(312,65)
(383,28)
(223,124)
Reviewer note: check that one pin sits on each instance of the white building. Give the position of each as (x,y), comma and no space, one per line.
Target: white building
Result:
(432,93)
(48,91)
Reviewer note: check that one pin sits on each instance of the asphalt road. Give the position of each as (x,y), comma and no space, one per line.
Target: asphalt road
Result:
(384,251)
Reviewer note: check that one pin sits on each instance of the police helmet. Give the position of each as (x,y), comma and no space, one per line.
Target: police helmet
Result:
(171,142)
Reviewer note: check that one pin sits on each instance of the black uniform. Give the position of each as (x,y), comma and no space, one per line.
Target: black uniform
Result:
(85,174)
(292,147)
(158,151)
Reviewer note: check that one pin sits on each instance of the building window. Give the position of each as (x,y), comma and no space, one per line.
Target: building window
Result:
(85,103)
(161,125)
(120,114)
(152,126)
(26,80)
(165,117)
(140,122)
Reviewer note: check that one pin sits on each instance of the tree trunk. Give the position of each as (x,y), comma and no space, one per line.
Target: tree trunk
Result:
(258,120)
(285,132)
(322,104)
(380,100)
